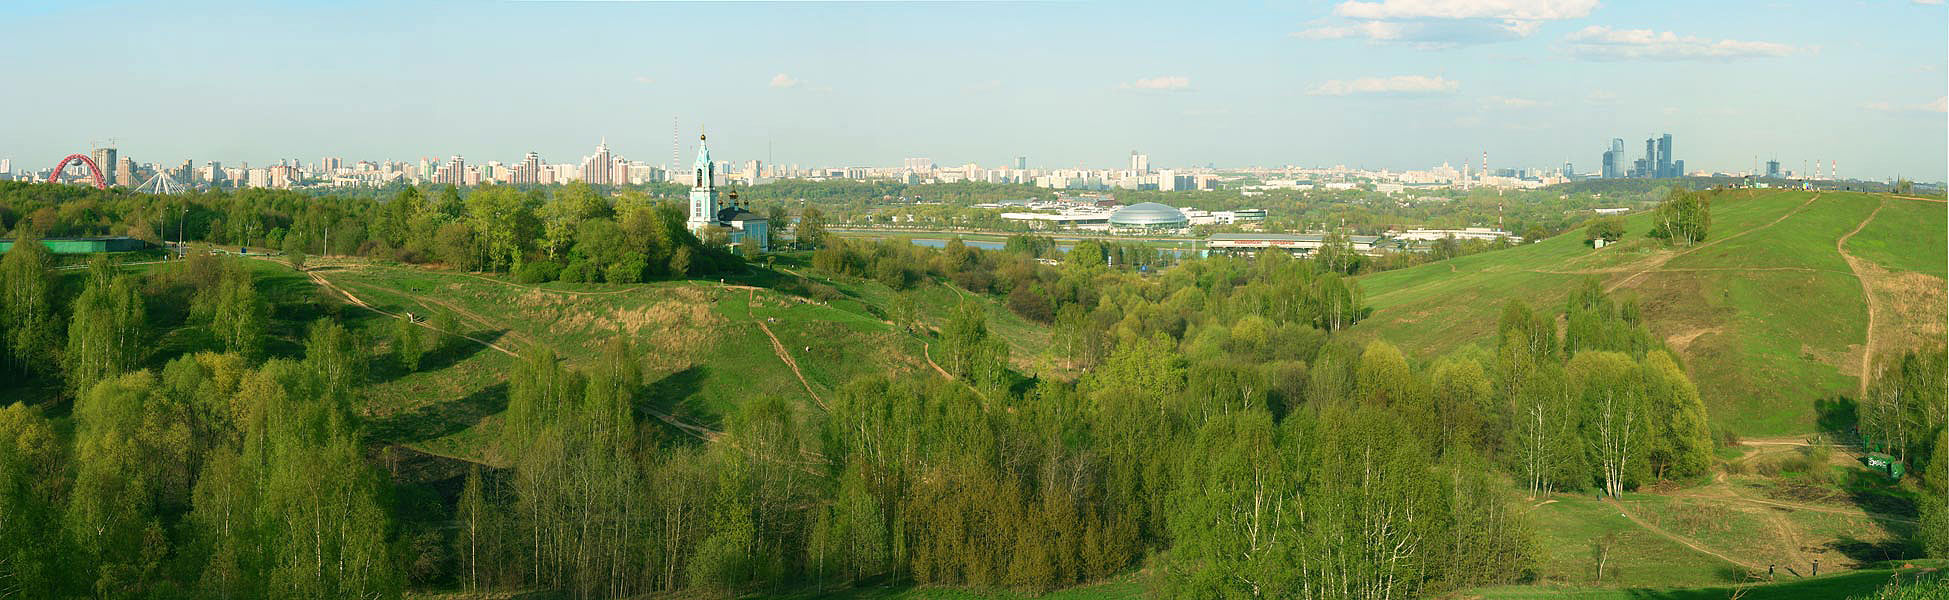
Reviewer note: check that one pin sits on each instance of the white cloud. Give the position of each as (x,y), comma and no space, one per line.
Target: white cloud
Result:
(1601,97)
(1373,30)
(1446,23)
(644,79)
(782,80)
(1515,10)
(1398,84)
(1929,2)
(982,86)
(1166,82)
(1598,42)
(1514,103)
(1940,105)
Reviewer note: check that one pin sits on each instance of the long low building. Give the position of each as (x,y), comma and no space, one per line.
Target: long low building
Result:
(1468,233)
(1071,218)
(1298,243)
(84,245)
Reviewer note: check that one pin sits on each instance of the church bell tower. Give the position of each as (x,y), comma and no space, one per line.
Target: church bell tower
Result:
(703,191)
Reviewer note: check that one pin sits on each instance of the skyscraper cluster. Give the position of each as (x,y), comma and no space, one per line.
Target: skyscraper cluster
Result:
(1656,163)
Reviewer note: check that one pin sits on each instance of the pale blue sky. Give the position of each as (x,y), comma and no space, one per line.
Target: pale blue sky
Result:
(1386,83)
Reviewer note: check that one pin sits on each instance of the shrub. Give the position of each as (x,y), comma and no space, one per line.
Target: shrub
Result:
(1609,229)
(538,272)
(627,270)
(577,271)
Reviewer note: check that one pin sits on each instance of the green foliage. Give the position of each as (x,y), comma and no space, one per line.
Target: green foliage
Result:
(1609,388)
(294,251)
(132,459)
(1683,218)
(1609,229)
(27,316)
(810,232)
(105,334)
(1679,444)
(234,311)
(1934,524)
(33,477)
(409,343)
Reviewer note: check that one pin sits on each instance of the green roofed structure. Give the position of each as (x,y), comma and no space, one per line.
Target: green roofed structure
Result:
(85,245)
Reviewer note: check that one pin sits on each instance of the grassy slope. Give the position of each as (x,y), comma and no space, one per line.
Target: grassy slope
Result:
(1844,585)
(1908,235)
(700,344)
(1125,588)
(1766,322)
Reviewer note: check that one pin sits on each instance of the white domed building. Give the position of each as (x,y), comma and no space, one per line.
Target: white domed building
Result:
(1149,216)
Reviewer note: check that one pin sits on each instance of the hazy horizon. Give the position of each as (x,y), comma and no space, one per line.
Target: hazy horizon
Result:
(1398,84)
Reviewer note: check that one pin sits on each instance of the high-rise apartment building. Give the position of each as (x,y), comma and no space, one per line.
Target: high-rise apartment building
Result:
(529,172)
(125,171)
(600,169)
(453,172)
(105,160)
(1139,163)
(1021,163)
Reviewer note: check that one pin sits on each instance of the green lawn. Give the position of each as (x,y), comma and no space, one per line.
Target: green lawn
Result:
(1806,239)
(1907,235)
(1842,586)
(1124,588)
(1766,322)
(700,344)
(1566,528)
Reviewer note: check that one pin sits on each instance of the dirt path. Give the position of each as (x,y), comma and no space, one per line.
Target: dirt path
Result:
(462,312)
(1660,532)
(1685,270)
(1657,263)
(779,348)
(701,432)
(1867,294)
(924,352)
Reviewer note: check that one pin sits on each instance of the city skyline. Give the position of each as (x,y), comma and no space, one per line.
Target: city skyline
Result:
(1066,85)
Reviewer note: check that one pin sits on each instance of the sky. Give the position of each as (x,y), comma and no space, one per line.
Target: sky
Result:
(1401,84)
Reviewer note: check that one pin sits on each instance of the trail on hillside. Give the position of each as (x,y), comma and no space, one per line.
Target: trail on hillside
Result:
(1660,532)
(1867,294)
(1686,270)
(924,352)
(699,431)
(464,313)
(1648,265)
(778,348)
(1660,261)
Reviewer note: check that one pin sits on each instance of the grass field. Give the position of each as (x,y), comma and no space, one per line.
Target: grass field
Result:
(1124,588)
(1766,314)
(1837,587)
(703,346)
(1907,236)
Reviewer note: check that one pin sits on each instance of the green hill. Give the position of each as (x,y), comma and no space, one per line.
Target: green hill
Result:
(1769,313)
(703,346)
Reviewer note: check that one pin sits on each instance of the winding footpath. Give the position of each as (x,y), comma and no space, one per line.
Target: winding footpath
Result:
(1659,262)
(778,348)
(1867,295)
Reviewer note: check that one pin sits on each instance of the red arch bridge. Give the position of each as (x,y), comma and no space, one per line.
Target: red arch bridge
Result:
(94,170)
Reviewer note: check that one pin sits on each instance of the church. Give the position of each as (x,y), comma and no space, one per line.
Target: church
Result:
(733,218)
